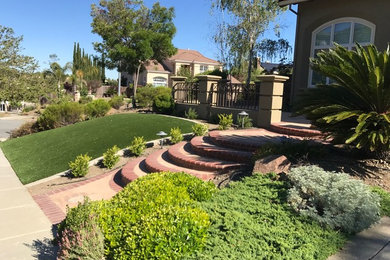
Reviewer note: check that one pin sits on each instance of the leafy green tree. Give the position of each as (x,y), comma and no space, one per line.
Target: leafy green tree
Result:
(133,34)
(355,107)
(249,20)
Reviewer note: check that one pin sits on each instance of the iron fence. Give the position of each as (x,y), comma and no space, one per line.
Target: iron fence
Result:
(186,92)
(240,96)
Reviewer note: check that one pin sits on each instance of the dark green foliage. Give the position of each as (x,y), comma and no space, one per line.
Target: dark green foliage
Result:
(293,150)
(355,107)
(216,72)
(116,102)
(97,108)
(154,217)
(145,96)
(88,64)
(58,115)
(251,219)
(385,200)
(163,101)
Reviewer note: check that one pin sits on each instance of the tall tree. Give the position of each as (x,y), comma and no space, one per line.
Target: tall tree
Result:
(133,34)
(57,72)
(249,19)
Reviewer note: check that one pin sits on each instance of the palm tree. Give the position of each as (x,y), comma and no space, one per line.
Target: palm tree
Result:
(58,73)
(355,107)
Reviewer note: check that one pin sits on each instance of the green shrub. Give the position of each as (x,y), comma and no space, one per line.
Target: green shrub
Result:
(247,121)
(97,108)
(176,135)
(25,129)
(145,96)
(27,109)
(110,158)
(293,150)
(225,121)
(200,129)
(61,114)
(163,102)
(85,100)
(251,219)
(79,167)
(385,200)
(334,199)
(355,107)
(191,114)
(116,102)
(154,217)
(138,145)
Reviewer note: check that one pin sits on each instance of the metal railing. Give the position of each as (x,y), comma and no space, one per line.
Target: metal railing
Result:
(239,96)
(186,92)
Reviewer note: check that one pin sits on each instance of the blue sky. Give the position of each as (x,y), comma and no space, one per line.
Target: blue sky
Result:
(52,26)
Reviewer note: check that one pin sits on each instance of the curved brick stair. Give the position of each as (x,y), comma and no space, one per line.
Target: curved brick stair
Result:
(134,169)
(295,129)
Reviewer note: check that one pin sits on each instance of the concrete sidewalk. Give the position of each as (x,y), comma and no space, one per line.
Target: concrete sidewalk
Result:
(25,232)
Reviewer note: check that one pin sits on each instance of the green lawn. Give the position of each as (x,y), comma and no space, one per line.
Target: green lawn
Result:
(40,155)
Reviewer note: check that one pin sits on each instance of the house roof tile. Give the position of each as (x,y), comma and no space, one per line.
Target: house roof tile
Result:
(191,56)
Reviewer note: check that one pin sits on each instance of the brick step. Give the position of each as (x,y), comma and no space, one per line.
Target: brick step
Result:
(132,170)
(203,146)
(295,130)
(247,139)
(159,162)
(182,155)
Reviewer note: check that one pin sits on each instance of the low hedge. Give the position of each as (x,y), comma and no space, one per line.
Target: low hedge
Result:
(154,217)
(61,114)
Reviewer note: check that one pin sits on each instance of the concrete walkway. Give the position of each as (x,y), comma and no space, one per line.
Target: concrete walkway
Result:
(25,232)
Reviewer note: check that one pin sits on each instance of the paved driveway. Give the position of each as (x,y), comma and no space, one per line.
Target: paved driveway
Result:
(7,124)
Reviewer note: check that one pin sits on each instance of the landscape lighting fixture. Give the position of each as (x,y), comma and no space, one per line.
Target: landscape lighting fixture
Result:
(243,114)
(162,134)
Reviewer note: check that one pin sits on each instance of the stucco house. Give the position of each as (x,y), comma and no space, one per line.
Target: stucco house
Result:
(320,23)
(158,74)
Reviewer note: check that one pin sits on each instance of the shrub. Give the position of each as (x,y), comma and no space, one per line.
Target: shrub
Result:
(225,121)
(25,129)
(252,220)
(85,100)
(27,109)
(79,167)
(61,114)
(355,107)
(191,114)
(333,199)
(385,200)
(163,103)
(145,96)
(175,135)
(247,121)
(138,145)
(110,158)
(97,108)
(116,102)
(200,129)
(293,150)
(154,217)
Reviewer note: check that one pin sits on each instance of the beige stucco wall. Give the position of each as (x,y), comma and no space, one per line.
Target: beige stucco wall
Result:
(151,75)
(313,14)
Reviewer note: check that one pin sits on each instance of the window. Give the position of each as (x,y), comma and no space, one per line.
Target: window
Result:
(346,32)
(159,81)
(203,68)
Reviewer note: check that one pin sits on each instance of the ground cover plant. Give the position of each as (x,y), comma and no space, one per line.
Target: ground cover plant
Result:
(154,217)
(251,219)
(43,154)
(225,121)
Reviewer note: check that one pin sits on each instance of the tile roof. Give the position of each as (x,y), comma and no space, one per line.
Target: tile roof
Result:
(155,66)
(191,56)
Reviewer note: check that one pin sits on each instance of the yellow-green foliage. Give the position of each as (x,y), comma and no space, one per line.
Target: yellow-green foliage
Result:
(200,129)
(110,158)
(138,145)
(97,108)
(116,102)
(225,121)
(79,167)
(154,217)
(176,135)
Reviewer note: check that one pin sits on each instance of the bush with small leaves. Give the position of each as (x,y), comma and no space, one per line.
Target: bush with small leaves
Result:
(191,114)
(97,108)
(225,121)
(175,135)
(200,129)
(333,199)
(79,167)
(110,158)
(116,102)
(137,146)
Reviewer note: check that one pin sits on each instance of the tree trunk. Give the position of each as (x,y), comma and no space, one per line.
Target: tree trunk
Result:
(248,79)
(136,85)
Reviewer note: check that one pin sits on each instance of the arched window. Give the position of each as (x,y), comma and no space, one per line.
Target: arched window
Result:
(159,81)
(346,32)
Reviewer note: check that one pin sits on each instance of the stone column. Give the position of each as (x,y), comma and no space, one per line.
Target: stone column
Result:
(173,81)
(205,84)
(271,99)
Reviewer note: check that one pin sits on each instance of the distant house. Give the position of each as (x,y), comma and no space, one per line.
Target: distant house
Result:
(158,74)
(321,23)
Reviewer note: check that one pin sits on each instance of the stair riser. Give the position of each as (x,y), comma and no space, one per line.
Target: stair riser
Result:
(221,155)
(294,132)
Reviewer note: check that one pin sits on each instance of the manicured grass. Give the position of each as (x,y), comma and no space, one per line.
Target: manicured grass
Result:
(40,155)
(385,200)
(251,219)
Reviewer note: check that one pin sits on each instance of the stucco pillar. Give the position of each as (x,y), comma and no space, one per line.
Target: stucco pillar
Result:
(205,84)
(271,99)
(173,81)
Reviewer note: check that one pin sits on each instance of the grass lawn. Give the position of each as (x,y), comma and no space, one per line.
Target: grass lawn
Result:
(40,155)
